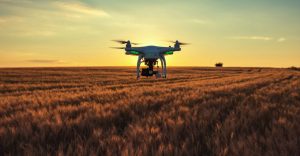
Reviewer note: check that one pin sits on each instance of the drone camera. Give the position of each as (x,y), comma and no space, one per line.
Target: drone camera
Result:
(148,72)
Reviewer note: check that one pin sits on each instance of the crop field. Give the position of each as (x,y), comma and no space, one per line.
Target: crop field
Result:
(106,111)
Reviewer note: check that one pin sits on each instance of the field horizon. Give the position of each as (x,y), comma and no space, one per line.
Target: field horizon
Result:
(270,67)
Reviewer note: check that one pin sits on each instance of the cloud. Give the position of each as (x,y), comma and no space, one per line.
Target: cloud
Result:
(48,18)
(259,38)
(199,21)
(81,8)
(45,61)
(10,19)
(282,39)
(37,33)
(262,38)
(15,1)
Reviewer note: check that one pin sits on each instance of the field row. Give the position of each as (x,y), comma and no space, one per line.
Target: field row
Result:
(235,111)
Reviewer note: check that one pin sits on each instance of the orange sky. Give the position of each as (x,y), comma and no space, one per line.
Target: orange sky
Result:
(79,33)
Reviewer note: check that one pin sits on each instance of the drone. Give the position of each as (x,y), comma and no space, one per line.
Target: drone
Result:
(150,56)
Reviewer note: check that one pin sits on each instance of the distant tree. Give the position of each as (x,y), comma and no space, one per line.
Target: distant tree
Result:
(219,64)
(294,68)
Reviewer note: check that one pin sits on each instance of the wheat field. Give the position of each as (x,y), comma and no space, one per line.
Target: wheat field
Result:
(106,111)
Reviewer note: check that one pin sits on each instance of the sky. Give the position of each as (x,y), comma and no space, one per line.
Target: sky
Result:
(240,33)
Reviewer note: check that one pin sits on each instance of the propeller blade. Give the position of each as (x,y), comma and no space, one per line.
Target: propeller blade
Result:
(170,41)
(120,41)
(124,42)
(180,43)
(117,47)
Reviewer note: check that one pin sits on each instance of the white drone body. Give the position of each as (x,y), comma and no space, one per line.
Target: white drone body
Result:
(150,55)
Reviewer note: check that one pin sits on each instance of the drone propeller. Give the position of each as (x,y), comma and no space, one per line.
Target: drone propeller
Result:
(118,47)
(124,42)
(180,43)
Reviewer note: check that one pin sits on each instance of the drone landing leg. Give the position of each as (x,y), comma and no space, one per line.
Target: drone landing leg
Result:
(164,67)
(139,61)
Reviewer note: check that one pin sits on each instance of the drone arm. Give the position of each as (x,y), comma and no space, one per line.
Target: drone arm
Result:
(177,49)
(169,51)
